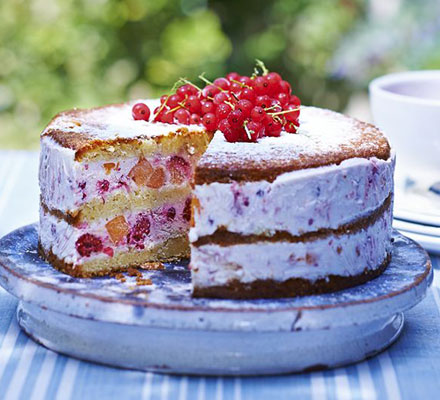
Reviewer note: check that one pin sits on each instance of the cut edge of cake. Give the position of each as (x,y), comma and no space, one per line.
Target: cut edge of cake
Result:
(112,200)
(285,162)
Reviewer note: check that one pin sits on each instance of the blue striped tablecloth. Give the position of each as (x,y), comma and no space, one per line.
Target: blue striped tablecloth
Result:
(410,369)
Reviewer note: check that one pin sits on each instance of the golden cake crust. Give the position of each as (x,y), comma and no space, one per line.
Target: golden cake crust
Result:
(112,131)
(324,138)
(173,249)
(269,289)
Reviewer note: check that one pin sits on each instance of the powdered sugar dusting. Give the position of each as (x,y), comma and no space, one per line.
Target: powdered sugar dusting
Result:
(324,137)
(321,133)
(112,122)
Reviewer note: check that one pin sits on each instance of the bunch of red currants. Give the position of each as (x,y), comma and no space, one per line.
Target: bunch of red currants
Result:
(244,108)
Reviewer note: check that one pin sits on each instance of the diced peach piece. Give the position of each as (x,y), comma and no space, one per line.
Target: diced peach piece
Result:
(108,167)
(157,178)
(118,229)
(141,172)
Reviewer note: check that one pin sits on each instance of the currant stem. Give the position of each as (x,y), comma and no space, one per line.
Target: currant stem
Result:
(208,82)
(162,106)
(174,109)
(246,129)
(187,82)
(180,82)
(173,89)
(235,96)
(269,108)
(260,64)
(283,112)
(241,84)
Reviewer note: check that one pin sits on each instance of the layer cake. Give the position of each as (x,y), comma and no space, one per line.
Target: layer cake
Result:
(291,215)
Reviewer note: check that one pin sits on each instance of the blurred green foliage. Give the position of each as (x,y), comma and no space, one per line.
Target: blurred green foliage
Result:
(59,54)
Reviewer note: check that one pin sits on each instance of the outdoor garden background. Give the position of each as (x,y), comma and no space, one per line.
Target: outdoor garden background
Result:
(59,54)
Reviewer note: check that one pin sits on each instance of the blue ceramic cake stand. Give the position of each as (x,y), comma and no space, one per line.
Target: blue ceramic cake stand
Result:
(161,328)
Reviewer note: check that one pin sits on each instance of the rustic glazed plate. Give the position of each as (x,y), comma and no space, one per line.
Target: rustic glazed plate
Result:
(160,327)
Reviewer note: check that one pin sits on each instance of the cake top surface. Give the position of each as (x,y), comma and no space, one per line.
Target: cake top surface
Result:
(324,137)
(76,128)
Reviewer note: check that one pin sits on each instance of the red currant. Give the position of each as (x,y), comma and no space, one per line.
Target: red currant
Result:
(193,90)
(222,83)
(273,77)
(256,130)
(193,104)
(222,111)
(233,135)
(285,87)
(224,126)
(267,120)
(207,106)
(258,114)
(174,100)
(235,87)
(291,127)
(185,90)
(245,106)
(245,80)
(182,116)
(263,101)
(295,100)
(157,115)
(195,119)
(235,118)
(210,91)
(275,106)
(283,98)
(233,76)
(293,114)
(261,85)
(274,128)
(220,98)
(248,94)
(273,88)
(209,121)
(166,117)
(140,111)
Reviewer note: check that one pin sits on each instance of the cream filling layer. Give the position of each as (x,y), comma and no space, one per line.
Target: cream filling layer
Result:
(61,238)
(296,202)
(67,185)
(342,255)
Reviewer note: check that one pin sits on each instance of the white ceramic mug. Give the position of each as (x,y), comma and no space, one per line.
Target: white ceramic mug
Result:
(406,106)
